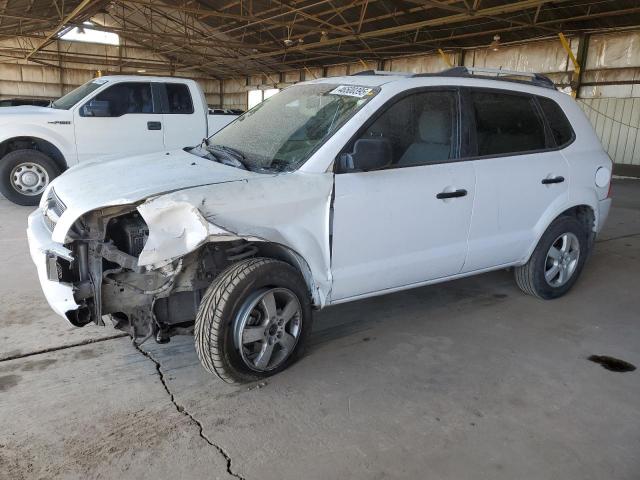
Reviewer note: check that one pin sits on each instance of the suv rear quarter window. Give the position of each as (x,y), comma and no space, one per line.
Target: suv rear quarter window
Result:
(507,123)
(558,123)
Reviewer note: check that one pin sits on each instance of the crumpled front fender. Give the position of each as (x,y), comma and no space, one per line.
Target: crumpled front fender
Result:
(291,210)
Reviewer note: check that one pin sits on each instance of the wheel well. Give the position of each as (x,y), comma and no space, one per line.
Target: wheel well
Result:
(280,252)
(585,215)
(34,143)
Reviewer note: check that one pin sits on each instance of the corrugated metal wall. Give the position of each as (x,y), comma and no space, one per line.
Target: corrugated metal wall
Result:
(614,58)
(617,123)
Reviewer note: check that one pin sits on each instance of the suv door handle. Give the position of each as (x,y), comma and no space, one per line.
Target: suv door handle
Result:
(154,126)
(547,181)
(454,194)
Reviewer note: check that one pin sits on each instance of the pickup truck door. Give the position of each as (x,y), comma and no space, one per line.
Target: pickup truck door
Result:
(119,121)
(407,223)
(184,117)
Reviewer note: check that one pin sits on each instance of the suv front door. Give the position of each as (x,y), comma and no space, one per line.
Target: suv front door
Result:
(406,223)
(520,176)
(120,120)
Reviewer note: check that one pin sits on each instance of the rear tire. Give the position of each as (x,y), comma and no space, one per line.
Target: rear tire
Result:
(254,308)
(557,260)
(24,174)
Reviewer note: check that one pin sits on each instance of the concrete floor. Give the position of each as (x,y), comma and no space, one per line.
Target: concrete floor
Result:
(465,380)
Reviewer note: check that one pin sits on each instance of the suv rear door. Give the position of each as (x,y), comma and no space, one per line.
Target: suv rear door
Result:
(521,174)
(390,229)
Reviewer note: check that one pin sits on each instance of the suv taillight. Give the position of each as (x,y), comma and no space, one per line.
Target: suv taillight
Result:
(609,191)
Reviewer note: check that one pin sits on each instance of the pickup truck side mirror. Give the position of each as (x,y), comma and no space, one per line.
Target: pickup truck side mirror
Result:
(368,154)
(96,108)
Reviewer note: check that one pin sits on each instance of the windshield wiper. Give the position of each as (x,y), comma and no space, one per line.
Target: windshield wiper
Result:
(228,156)
(232,151)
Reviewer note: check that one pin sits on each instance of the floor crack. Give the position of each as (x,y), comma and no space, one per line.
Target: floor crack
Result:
(63,347)
(618,238)
(184,412)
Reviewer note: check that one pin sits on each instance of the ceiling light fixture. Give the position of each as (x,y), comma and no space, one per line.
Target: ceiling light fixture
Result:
(495,45)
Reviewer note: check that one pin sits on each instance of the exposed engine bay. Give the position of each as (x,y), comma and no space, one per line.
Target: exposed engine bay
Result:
(142,301)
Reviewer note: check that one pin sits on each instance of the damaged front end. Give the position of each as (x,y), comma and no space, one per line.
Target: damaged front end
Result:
(145,300)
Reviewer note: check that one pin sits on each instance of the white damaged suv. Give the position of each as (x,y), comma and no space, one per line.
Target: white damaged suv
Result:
(331,191)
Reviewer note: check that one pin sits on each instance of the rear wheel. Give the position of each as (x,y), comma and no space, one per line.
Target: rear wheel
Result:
(253,320)
(557,261)
(24,174)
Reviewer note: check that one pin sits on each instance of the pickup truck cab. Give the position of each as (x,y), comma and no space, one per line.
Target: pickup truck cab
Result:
(364,185)
(111,116)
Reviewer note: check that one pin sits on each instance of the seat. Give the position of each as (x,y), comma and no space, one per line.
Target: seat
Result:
(434,142)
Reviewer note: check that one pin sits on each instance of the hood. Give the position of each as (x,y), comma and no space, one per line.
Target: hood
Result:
(97,184)
(29,113)
(28,110)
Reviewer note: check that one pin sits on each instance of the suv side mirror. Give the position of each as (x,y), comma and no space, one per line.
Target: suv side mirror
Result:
(96,108)
(368,154)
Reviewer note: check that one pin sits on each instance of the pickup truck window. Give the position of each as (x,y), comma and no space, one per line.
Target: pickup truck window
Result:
(123,98)
(74,96)
(282,132)
(179,98)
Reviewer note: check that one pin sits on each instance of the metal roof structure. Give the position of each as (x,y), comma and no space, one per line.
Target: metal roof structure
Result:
(226,38)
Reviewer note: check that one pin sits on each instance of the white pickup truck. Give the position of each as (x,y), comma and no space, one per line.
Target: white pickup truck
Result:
(107,117)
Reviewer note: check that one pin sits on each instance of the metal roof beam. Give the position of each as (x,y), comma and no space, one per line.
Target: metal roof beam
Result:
(74,13)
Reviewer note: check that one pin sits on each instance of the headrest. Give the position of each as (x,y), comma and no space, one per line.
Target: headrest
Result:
(434,126)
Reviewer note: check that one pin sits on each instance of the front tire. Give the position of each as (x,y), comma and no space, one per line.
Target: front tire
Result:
(24,174)
(253,320)
(556,263)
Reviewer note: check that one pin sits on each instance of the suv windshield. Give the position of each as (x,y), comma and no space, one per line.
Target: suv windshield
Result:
(74,96)
(283,131)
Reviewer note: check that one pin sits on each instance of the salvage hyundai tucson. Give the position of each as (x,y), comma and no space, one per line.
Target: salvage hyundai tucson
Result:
(331,191)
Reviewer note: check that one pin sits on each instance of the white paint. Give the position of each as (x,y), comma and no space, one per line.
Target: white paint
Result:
(58,295)
(389,228)
(390,232)
(86,138)
(510,199)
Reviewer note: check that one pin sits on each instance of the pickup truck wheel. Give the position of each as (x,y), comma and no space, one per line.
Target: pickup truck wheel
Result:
(24,174)
(557,260)
(253,320)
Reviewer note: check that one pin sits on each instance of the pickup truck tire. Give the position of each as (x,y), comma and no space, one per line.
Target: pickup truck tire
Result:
(557,260)
(24,174)
(253,320)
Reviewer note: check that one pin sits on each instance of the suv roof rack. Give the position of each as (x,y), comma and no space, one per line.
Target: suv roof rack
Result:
(485,73)
(383,73)
(495,74)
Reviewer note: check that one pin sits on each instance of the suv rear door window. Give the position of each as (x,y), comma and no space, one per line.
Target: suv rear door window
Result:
(421,128)
(557,120)
(179,98)
(507,123)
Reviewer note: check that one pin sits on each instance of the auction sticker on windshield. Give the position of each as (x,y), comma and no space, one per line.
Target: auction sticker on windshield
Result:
(351,91)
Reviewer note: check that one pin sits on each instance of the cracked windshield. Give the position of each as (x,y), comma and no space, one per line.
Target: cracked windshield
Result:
(282,132)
